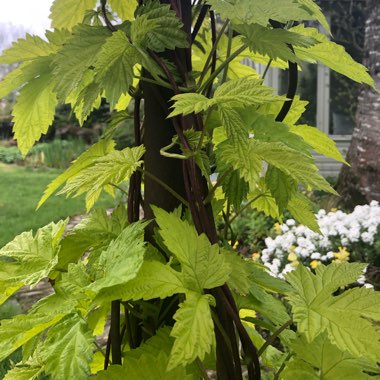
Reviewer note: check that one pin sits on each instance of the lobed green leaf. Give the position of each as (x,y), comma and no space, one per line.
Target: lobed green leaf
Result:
(66,14)
(261,11)
(86,159)
(34,111)
(275,43)
(27,49)
(154,280)
(202,265)
(20,329)
(332,55)
(158,28)
(302,210)
(78,54)
(125,10)
(114,66)
(68,349)
(109,170)
(319,141)
(323,360)
(346,317)
(193,330)
(122,259)
(28,259)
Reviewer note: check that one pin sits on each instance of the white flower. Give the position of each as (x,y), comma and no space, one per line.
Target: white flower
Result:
(271,244)
(367,237)
(284,228)
(273,270)
(276,262)
(338,229)
(361,280)
(288,268)
(264,256)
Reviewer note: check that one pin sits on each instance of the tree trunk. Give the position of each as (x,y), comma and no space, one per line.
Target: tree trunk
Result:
(158,133)
(186,180)
(360,183)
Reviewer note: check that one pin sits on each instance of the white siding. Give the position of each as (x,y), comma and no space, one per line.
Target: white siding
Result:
(329,167)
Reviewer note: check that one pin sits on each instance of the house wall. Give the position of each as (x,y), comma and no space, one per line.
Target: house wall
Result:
(329,167)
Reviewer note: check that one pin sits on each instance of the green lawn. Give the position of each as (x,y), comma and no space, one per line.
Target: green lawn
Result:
(20,190)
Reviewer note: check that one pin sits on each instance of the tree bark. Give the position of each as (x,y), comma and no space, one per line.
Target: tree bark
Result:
(158,133)
(186,180)
(360,183)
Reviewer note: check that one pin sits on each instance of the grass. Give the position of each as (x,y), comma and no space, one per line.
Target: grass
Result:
(20,190)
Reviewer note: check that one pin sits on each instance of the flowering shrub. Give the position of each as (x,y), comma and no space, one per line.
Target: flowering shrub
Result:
(344,237)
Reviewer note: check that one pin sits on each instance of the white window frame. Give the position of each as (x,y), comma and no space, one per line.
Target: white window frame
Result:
(323,98)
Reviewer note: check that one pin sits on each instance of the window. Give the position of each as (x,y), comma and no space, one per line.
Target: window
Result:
(332,97)
(347,26)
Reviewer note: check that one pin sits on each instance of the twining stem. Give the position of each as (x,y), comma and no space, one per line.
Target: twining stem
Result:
(100,349)
(115,332)
(136,198)
(226,217)
(249,349)
(105,16)
(219,326)
(228,53)
(199,22)
(172,302)
(292,89)
(220,68)
(164,185)
(292,75)
(154,81)
(166,71)
(128,327)
(228,361)
(273,337)
(219,180)
(119,188)
(133,203)
(107,360)
(228,225)
(245,207)
(267,68)
(130,309)
(164,152)
(212,52)
(213,39)
(202,369)
(278,373)
(162,83)
(199,120)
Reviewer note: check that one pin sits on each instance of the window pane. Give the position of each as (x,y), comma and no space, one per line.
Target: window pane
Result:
(347,26)
(306,89)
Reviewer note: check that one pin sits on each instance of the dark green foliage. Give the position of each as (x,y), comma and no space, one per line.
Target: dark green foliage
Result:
(250,230)
(10,155)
